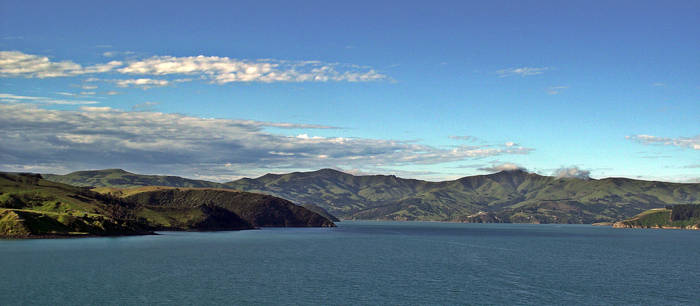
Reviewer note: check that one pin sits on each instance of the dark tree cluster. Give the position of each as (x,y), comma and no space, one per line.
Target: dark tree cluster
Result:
(685,212)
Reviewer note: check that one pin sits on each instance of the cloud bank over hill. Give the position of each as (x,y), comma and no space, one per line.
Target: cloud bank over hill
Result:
(572,172)
(503,167)
(102,137)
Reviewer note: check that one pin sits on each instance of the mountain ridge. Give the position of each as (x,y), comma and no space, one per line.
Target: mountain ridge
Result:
(508,196)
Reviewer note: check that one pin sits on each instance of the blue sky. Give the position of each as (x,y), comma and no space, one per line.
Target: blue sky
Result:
(433,90)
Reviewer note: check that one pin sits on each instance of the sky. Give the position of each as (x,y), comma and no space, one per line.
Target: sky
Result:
(432,90)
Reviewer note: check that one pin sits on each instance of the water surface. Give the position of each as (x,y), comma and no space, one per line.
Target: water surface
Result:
(360,263)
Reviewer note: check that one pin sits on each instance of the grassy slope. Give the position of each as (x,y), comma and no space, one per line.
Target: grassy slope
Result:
(33,207)
(513,196)
(173,206)
(30,206)
(658,218)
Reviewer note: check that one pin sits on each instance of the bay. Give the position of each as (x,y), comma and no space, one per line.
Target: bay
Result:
(360,262)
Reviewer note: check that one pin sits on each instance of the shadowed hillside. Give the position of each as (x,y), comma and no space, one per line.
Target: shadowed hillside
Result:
(160,204)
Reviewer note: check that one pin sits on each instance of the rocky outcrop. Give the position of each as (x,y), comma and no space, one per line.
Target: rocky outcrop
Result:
(626,224)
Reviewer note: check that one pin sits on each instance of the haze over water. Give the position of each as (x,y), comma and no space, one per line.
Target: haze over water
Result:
(360,263)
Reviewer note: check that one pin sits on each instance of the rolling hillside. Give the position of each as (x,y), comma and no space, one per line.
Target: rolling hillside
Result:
(508,196)
(172,207)
(122,179)
(31,206)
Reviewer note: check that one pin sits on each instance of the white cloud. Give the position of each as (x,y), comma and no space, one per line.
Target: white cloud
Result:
(19,64)
(101,137)
(572,172)
(12,98)
(223,70)
(503,167)
(521,71)
(96,108)
(220,70)
(117,53)
(683,142)
(143,83)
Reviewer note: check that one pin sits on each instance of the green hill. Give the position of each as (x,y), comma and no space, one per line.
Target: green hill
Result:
(676,216)
(34,207)
(508,196)
(31,206)
(195,208)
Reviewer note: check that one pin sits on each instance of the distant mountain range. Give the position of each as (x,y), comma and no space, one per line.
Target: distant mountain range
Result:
(119,178)
(508,196)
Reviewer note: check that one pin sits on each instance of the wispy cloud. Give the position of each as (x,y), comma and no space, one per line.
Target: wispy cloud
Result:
(683,142)
(117,53)
(96,137)
(11,98)
(223,70)
(144,107)
(555,90)
(18,64)
(521,71)
(464,138)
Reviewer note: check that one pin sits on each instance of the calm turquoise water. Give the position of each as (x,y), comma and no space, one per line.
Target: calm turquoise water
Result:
(361,263)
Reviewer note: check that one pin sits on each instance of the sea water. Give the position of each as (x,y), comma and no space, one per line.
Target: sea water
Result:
(360,262)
